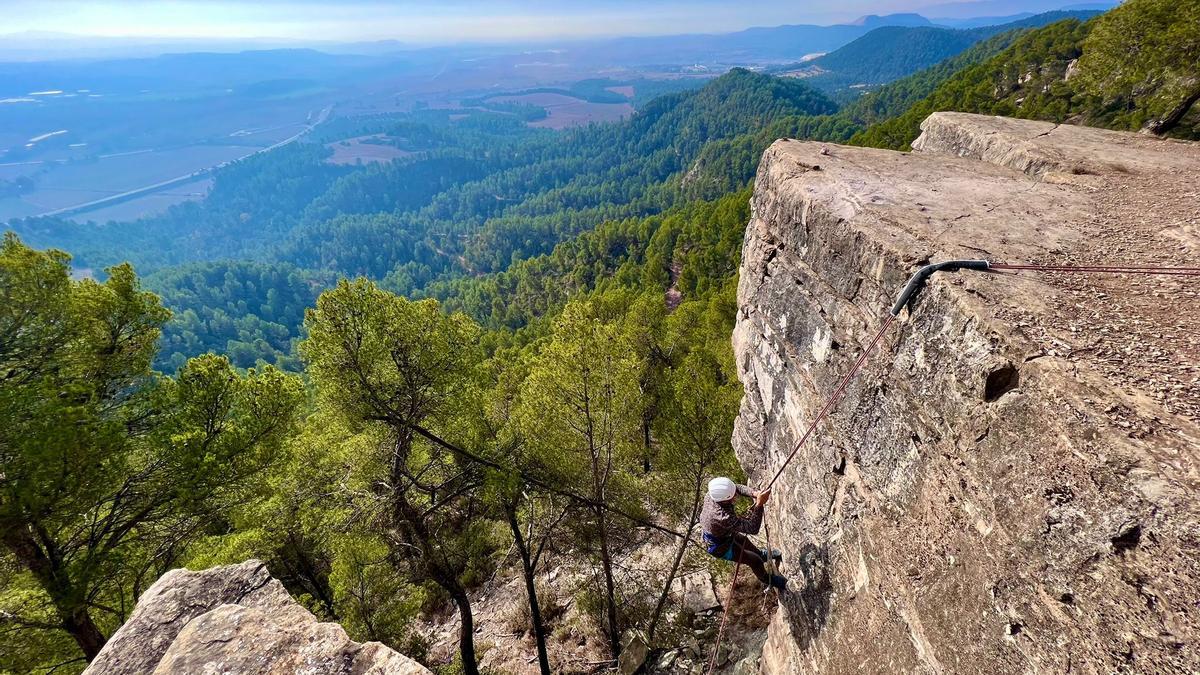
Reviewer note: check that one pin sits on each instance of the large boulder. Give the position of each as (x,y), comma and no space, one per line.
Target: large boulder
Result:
(1011,484)
(236,619)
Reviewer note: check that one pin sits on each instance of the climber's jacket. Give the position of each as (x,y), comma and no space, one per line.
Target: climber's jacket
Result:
(720,522)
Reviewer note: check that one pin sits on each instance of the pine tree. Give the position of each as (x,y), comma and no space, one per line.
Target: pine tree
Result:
(109,469)
(398,368)
(1142,57)
(580,412)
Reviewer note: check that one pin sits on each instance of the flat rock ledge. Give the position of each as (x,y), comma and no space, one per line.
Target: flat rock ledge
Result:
(236,619)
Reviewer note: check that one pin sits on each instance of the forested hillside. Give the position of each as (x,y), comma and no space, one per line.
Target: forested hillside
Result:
(886,54)
(426,364)
(477,193)
(1077,72)
(892,52)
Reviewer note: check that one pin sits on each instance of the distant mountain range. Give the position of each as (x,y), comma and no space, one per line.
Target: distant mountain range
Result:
(781,43)
(979,21)
(194,71)
(891,52)
(1003,8)
(875,21)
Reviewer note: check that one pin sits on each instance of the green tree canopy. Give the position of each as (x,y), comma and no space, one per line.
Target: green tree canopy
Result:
(1144,58)
(108,468)
(393,369)
(581,413)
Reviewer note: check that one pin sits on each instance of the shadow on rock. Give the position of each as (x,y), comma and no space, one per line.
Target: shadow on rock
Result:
(807,610)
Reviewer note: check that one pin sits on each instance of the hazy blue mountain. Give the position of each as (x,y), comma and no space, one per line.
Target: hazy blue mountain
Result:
(892,52)
(875,20)
(177,72)
(50,46)
(742,46)
(978,8)
(976,22)
(748,46)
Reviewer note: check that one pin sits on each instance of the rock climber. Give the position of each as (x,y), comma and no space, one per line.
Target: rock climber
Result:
(725,531)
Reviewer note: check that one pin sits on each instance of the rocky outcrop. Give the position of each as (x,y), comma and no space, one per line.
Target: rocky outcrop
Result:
(1011,483)
(1025,145)
(236,619)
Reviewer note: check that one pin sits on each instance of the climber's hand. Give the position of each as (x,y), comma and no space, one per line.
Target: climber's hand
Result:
(761,499)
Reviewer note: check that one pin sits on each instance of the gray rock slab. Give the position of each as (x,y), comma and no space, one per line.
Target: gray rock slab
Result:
(1003,489)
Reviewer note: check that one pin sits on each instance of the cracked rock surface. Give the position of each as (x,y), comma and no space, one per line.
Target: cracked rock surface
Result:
(236,619)
(1011,483)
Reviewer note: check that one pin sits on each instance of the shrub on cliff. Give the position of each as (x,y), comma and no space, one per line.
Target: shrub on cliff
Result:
(1142,60)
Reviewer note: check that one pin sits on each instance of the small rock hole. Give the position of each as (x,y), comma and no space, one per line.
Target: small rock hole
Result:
(1067,599)
(1128,539)
(1013,628)
(1000,381)
(840,469)
(1059,495)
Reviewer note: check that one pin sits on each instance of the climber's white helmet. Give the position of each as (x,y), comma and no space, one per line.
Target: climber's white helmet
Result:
(722,489)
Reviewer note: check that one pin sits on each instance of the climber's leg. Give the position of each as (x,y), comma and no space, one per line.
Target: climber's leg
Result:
(749,555)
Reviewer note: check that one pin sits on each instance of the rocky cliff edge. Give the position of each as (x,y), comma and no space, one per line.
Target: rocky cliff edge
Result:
(236,619)
(1011,484)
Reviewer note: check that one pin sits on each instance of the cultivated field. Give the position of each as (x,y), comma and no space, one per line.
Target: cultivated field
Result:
(564,111)
(65,185)
(149,204)
(265,136)
(359,150)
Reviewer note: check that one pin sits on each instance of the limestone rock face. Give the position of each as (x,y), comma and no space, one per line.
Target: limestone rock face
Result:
(1011,483)
(236,619)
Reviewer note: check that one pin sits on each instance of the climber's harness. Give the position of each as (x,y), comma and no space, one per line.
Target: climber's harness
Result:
(719,547)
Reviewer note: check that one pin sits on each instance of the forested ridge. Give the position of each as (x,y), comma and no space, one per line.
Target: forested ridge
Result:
(1067,72)
(384,379)
(892,52)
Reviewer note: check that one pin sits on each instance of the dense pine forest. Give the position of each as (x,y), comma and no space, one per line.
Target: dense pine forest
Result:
(384,379)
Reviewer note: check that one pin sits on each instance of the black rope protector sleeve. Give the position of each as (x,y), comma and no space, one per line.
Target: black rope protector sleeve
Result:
(917,282)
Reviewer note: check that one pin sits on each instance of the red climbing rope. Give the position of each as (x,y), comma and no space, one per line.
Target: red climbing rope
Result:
(1101,269)
(837,396)
(712,662)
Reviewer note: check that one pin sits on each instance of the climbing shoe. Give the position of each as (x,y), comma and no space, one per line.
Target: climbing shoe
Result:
(773,553)
(779,582)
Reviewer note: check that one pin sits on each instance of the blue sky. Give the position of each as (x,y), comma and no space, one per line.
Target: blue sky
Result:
(427,22)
